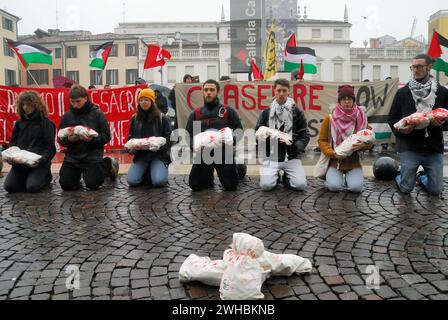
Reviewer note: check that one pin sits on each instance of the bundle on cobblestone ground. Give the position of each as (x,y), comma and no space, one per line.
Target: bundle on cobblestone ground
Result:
(243,269)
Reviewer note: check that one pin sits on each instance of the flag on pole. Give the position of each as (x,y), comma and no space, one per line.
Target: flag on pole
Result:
(294,57)
(100,55)
(302,71)
(156,57)
(255,71)
(438,50)
(270,55)
(30,53)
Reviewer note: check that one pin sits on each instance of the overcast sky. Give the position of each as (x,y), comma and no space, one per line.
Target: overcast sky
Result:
(393,17)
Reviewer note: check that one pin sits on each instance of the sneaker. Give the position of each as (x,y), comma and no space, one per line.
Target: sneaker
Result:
(418,177)
(113,167)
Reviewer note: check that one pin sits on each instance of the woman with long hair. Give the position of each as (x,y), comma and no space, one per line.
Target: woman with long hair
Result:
(36,133)
(149,167)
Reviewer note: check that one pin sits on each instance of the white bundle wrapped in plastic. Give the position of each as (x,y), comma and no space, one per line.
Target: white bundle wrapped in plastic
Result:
(346,148)
(18,156)
(419,120)
(439,114)
(284,265)
(80,131)
(202,269)
(265,133)
(152,144)
(213,139)
(243,276)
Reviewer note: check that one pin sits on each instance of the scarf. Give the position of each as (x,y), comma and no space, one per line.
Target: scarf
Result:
(281,116)
(345,122)
(424,94)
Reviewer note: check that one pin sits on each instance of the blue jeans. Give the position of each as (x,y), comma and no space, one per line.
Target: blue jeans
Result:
(335,180)
(432,181)
(154,173)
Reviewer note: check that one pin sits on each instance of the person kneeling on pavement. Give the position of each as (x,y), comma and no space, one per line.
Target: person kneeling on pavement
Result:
(150,165)
(35,133)
(213,116)
(287,120)
(346,118)
(420,147)
(84,155)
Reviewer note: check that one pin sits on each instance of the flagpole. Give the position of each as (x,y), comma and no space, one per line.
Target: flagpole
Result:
(32,78)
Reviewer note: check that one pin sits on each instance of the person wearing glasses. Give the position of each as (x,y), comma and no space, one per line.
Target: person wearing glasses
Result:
(420,147)
(285,116)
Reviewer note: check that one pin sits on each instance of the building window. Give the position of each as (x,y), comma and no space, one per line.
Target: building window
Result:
(131,50)
(172,74)
(315,33)
(8,24)
(149,75)
(338,33)
(131,76)
(394,72)
(112,77)
(57,73)
(338,72)
(212,72)
(376,73)
(10,77)
(41,77)
(356,73)
(72,52)
(96,77)
(57,53)
(114,51)
(73,75)
(7,50)
(189,70)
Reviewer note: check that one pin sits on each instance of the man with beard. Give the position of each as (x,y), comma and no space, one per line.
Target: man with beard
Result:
(213,116)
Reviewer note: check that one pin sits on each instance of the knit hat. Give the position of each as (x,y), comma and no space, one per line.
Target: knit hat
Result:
(147,93)
(346,91)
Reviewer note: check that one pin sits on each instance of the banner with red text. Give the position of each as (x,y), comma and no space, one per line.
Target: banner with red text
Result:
(118,104)
(315,98)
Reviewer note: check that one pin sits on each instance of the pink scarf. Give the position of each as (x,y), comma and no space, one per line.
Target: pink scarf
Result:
(344,123)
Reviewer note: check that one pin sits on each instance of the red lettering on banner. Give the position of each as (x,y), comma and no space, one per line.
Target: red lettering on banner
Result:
(190,93)
(231,92)
(262,97)
(301,95)
(118,104)
(314,97)
(248,96)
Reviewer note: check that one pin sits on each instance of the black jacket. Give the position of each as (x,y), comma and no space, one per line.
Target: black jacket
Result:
(35,134)
(162,103)
(403,106)
(211,119)
(92,117)
(158,127)
(300,136)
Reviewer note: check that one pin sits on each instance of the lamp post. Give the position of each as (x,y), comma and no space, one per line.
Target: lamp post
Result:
(363,56)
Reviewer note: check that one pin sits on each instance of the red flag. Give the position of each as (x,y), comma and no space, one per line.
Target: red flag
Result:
(156,57)
(258,76)
(302,71)
(435,51)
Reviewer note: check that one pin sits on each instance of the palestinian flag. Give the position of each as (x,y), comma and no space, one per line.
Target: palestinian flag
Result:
(439,51)
(294,57)
(31,53)
(100,55)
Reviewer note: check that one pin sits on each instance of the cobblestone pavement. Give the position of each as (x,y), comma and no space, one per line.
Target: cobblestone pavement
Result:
(129,244)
